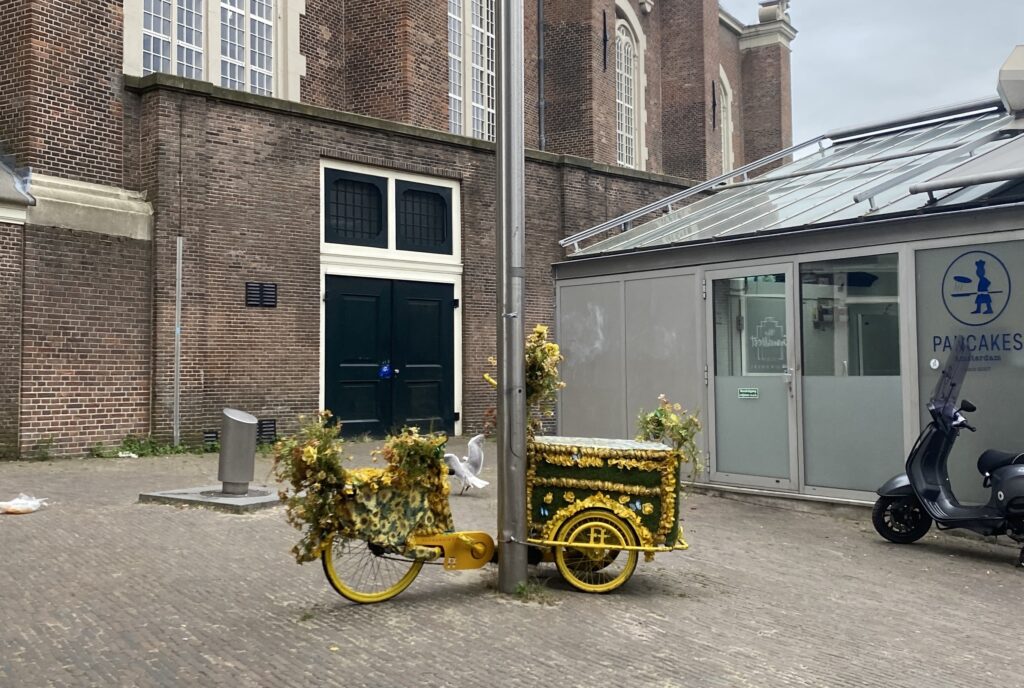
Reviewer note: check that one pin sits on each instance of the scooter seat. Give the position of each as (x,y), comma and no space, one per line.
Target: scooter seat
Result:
(991,459)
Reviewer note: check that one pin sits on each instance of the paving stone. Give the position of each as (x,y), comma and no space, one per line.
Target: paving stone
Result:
(99,590)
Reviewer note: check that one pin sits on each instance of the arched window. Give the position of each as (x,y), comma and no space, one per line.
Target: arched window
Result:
(630,87)
(626,110)
(726,128)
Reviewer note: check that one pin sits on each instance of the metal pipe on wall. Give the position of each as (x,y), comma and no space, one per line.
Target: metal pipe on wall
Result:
(541,104)
(176,421)
(510,280)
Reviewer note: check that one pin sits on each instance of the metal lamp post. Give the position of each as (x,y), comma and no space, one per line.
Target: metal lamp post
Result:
(509,244)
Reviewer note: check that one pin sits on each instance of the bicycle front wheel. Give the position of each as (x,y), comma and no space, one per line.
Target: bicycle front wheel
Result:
(365,573)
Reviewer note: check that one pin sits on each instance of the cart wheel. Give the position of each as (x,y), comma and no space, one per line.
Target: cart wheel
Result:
(596,569)
(365,573)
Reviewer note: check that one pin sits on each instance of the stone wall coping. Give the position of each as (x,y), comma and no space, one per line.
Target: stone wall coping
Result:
(779,32)
(74,204)
(169,82)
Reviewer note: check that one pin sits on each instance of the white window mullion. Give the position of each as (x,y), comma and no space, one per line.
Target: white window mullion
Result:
(232,44)
(189,39)
(456,67)
(261,47)
(157,36)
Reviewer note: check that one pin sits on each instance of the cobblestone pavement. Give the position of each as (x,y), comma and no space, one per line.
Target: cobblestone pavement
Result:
(98,590)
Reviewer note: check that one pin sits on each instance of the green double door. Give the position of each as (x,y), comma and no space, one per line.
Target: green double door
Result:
(389,354)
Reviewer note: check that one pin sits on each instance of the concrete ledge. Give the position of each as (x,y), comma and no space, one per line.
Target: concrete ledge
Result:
(849,509)
(259,497)
(72,204)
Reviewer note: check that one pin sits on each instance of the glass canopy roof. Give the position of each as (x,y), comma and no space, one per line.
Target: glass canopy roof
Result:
(865,176)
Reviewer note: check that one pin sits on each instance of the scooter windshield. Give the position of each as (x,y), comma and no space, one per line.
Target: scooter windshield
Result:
(951,379)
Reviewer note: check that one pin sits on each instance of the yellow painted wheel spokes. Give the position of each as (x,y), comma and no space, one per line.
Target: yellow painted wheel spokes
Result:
(599,565)
(365,573)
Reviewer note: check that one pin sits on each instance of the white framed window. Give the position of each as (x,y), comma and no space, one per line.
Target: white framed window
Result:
(389,214)
(246,45)
(625,96)
(471,63)
(630,88)
(172,37)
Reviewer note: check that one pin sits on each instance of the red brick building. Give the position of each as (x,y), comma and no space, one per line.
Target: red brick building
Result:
(327,167)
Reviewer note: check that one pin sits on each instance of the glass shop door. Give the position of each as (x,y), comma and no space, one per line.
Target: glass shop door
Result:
(752,387)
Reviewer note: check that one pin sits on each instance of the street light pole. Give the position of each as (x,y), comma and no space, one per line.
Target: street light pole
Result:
(510,276)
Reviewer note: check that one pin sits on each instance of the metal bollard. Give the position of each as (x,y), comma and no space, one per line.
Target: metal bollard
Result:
(237,452)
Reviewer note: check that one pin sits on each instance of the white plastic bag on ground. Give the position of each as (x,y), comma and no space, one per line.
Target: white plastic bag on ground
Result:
(22,504)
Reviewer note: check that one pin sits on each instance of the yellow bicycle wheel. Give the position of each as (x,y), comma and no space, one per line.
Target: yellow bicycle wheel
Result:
(600,565)
(365,573)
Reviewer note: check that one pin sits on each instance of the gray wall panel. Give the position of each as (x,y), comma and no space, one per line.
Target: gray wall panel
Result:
(662,348)
(590,333)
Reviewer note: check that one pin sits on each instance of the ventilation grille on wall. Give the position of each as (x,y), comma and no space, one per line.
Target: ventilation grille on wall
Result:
(266,431)
(261,294)
(210,437)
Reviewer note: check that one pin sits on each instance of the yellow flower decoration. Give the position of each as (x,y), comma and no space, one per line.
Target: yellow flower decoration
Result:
(569,497)
(647,508)
(548,498)
(623,499)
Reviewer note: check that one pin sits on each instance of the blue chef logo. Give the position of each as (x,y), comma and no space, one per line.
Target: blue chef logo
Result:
(976,288)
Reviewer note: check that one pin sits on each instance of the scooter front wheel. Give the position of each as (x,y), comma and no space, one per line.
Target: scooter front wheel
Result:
(900,519)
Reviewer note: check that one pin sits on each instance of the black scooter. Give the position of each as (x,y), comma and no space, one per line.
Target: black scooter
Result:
(909,502)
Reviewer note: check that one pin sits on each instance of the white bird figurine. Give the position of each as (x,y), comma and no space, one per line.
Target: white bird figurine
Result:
(467,469)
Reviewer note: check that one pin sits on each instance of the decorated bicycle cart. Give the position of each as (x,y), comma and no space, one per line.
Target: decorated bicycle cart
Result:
(593,505)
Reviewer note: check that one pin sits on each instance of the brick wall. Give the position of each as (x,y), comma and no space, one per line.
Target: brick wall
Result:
(396,62)
(86,351)
(732,62)
(70,83)
(15,63)
(767,102)
(570,43)
(10,336)
(690,62)
(322,43)
(250,211)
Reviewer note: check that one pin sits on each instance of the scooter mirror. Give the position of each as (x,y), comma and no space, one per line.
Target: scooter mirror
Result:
(968,406)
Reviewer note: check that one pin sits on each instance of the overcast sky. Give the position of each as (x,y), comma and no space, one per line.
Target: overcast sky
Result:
(860,61)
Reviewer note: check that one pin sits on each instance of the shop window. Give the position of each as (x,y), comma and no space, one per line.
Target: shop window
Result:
(750,325)
(850,314)
(852,389)
(423,218)
(355,209)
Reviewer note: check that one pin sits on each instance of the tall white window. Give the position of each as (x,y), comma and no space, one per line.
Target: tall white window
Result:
(247,45)
(172,37)
(626,125)
(455,66)
(471,96)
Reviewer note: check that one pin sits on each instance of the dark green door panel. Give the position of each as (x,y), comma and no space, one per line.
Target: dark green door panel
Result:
(357,341)
(424,355)
(407,325)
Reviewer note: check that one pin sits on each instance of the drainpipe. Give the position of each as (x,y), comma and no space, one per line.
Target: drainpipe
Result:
(540,74)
